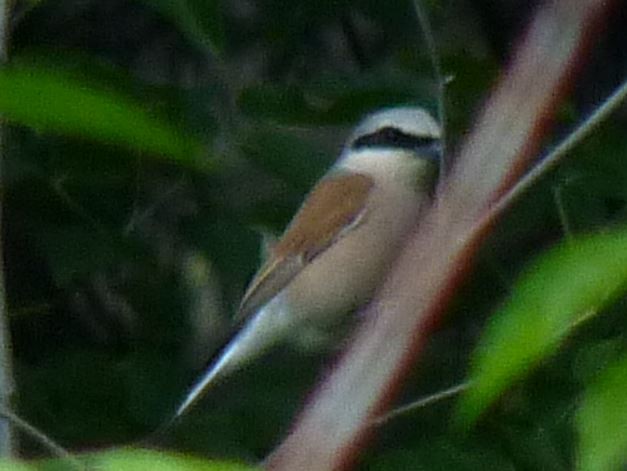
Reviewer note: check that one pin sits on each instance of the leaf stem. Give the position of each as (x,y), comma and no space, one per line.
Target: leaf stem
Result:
(421,403)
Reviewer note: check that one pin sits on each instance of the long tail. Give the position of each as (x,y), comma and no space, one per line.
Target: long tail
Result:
(268,326)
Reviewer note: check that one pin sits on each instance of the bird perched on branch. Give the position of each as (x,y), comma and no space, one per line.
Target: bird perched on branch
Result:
(341,242)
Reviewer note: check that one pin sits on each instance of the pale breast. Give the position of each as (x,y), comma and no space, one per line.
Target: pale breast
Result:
(346,275)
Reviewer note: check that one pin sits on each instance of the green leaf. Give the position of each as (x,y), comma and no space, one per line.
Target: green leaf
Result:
(132,460)
(199,20)
(141,460)
(15,466)
(601,421)
(570,281)
(54,102)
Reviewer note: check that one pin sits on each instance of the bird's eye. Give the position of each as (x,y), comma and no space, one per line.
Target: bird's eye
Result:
(391,137)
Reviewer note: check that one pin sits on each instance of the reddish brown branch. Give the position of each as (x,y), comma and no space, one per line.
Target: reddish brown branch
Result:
(336,422)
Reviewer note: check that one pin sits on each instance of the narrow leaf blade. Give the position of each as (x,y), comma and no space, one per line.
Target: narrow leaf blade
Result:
(54,102)
(570,281)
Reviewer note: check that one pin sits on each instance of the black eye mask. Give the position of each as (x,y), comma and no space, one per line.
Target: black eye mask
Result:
(390,137)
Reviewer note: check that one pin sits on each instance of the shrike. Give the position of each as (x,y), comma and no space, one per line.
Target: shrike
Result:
(343,239)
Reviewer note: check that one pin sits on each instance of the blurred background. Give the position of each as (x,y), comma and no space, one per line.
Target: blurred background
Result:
(190,126)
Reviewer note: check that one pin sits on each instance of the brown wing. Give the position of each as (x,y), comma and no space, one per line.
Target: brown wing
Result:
(333,208)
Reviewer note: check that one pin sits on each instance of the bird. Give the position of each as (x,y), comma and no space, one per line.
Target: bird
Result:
(341,242)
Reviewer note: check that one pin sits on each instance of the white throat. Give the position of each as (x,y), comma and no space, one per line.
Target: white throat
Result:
(385,165)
